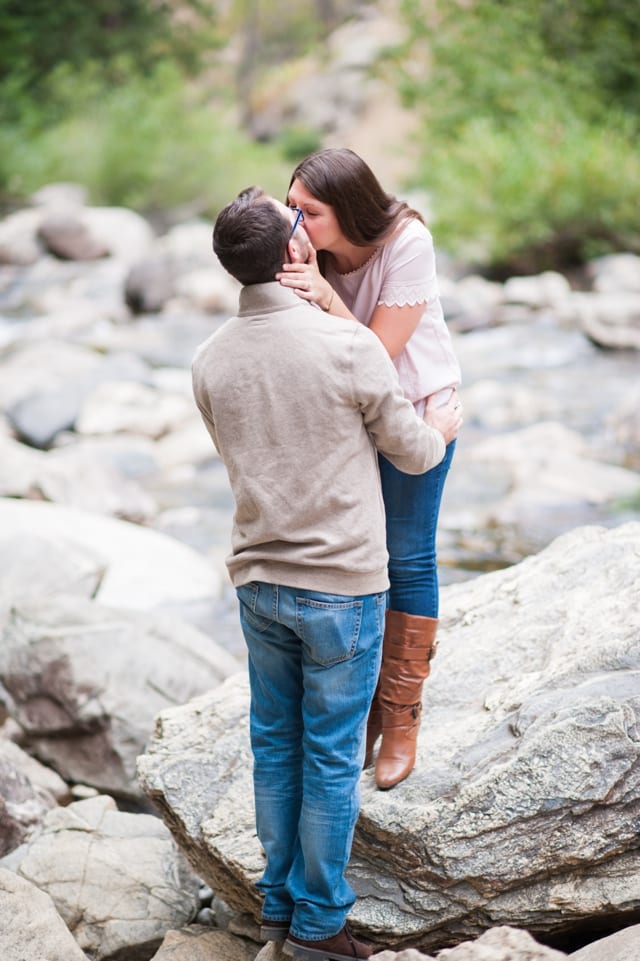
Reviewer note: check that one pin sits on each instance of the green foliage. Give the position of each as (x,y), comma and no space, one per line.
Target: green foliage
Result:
(530,118)
(536,195)
(149,143)
(600,39)
(38,37)
(104,94)
(298,142)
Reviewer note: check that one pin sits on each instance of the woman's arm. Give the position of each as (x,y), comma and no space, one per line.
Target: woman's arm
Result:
(395,325)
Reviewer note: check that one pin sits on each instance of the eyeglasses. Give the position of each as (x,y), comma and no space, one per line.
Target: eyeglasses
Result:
(299,219)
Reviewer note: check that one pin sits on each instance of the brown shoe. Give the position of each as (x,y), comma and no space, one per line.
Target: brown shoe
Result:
(273,930)
(341,947)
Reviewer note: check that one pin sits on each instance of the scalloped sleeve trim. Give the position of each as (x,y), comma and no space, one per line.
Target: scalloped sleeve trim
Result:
(403,295)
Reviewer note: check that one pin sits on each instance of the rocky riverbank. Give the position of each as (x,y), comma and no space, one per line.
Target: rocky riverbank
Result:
(522,814)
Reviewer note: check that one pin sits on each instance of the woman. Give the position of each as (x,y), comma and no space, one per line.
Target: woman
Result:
(374,261)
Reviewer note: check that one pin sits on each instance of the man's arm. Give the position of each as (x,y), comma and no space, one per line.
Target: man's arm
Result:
(200,397)
(403,437)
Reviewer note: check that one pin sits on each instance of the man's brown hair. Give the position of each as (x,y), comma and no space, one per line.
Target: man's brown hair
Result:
(250,237)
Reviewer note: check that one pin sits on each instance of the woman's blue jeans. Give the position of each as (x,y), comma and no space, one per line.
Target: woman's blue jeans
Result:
(313,666)
(412,505)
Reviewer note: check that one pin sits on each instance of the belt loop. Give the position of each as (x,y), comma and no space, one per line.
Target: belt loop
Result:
(275,602)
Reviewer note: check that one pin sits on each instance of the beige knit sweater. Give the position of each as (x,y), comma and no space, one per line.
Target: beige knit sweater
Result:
(296,402)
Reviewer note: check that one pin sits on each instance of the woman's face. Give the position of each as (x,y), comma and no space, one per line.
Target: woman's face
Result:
(320,222)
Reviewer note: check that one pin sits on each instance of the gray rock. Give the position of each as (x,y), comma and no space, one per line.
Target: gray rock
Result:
(47,365)
(89,723)
(610,319)
(615,272)
(149,285)
(28,790)
(117,879)
(213,291)
(622,946)
(626,427)
(132,408)
(143,570)
(169,339)
(35,564)
(30,927)
(497,944)
(197,943)
(523,805)
(471,303)
(549,472)
(45,385)
(547,290)
(126,234)
(18,238)
(38,417)
(272,951)
(75,476)
(19,465)
(196,770)
(501,944)
(189,245)
(67,237)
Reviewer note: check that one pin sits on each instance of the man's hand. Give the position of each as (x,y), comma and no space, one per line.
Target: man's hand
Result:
(446,418)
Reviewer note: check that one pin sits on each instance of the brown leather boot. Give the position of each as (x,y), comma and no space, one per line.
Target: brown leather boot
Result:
(409,645)
(374,729)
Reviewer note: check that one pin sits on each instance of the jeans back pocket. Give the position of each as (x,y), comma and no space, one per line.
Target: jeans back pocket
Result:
(329,629)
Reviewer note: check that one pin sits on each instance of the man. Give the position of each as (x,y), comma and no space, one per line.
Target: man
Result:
(297,402)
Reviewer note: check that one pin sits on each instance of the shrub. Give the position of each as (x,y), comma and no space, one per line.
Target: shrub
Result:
(529,122)
(541,193)
(152,142)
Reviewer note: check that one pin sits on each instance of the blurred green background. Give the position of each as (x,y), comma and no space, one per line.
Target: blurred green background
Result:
(525,115)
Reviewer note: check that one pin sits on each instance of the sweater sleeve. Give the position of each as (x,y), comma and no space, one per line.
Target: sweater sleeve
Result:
(202,401)
(396,430)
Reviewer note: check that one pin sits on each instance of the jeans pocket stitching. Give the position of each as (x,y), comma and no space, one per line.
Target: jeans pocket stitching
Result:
(355,605)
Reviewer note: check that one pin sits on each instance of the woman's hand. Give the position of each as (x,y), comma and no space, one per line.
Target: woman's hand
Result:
(307,281)
(447,418)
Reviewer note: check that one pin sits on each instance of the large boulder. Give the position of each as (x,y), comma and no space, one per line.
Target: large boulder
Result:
(622,946)
(142,569)
(84,682)
(30,926)
(199,943)
(497,944)
(117,879)
(28,790)
(523,807)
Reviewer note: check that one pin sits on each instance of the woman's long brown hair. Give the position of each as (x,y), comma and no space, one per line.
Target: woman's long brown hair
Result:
(366,214)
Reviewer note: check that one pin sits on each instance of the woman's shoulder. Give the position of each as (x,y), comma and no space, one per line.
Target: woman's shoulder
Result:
(410,232)
(411,243)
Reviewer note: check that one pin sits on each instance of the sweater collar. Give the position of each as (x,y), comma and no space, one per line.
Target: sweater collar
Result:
(259,298)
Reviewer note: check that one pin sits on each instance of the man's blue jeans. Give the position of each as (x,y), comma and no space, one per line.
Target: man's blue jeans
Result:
(412,506)
(313,666)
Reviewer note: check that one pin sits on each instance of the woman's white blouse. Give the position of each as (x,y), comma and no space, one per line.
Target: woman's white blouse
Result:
(403,272)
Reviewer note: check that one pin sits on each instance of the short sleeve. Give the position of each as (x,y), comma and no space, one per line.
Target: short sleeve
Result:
(409,275)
